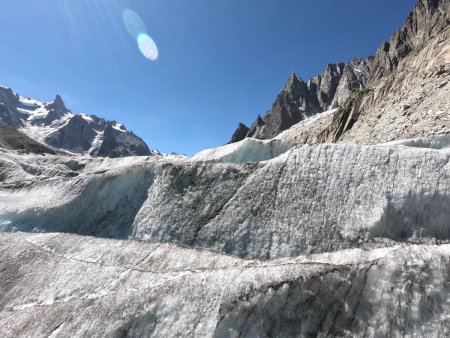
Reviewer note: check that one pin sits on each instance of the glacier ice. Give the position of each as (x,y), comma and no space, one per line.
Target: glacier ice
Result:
(247,150)
(311,199)
(436,142)
(85,286)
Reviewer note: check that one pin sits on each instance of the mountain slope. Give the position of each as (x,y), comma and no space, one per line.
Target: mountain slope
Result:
(54,124)
(408,92)
(11,138)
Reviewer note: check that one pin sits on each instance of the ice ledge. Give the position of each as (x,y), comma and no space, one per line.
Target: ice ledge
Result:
(247,150)
(432,142)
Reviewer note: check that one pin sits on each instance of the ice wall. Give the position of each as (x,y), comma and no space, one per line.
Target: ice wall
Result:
(316,198)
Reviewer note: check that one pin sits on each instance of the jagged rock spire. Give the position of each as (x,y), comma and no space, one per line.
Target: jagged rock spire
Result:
(58,103)
(240,133)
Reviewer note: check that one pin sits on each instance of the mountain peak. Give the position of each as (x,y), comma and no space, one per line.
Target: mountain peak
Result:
(59,103)
(240,133)
(294,86)
(293,80)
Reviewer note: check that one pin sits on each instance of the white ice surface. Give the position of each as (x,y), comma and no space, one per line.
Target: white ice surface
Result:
(247,150)
(434,142)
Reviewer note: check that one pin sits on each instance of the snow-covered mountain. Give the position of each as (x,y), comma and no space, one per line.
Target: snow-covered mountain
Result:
(54,125)
(288,236)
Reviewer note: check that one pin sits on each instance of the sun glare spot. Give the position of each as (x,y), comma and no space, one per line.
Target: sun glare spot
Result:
(138,31)
(147,46)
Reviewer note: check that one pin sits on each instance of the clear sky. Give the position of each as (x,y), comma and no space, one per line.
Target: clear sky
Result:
(220,62)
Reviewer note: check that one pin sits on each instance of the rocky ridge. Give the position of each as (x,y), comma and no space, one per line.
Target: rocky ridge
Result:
(299,100)
(408,92)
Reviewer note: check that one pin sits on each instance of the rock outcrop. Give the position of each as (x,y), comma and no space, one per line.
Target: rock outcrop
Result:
(240,133)
(408,94)
(118,142)
(8,108)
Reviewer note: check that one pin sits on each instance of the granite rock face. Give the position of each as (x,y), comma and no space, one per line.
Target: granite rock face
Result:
(408,92)
(240,133)
(291,106)
(54,125)
(77,135)
(8,108)
(427,20)
(299,100)
(117,142)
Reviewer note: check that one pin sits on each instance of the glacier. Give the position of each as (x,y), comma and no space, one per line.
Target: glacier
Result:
(310,199)
(327,240)
(86,286)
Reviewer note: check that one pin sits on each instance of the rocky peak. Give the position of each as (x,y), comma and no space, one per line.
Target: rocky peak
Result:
(56,110)
(7,96)
(118,142)
(294,88)
(57,104)
(299,100)
(407,91)
(355,75)
(240,133)
(77,135)
(56,126)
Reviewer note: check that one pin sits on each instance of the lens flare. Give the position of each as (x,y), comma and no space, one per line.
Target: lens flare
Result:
(133,23)
(136,28)
(147,46)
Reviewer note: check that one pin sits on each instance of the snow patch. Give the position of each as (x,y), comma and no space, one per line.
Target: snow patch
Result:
(119,127)
(96,143)
(29,103)
(87,118)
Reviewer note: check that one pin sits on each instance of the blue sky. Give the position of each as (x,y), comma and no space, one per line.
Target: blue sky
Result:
(220,62)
